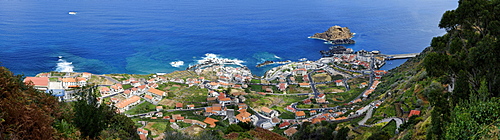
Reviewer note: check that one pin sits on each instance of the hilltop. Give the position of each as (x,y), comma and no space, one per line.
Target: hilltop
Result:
(336,35)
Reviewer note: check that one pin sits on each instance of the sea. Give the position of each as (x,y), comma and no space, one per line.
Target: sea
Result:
(150,36)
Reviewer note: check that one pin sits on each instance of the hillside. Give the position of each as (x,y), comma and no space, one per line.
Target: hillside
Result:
(454,82)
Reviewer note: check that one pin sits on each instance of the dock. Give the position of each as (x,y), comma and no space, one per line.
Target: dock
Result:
(399,56)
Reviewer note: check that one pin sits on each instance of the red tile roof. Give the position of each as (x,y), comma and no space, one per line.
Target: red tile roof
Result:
(128,101)
(300,113)
(284,124)
(178,104)
(210,121)
(265,109)
(37,81)
(156,91)
(414,112)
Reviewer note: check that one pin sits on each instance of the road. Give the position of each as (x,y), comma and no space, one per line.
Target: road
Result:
(367,116)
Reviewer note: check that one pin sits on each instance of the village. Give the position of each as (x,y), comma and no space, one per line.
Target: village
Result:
(333,89)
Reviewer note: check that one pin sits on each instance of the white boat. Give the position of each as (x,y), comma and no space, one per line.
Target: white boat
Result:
(72,13)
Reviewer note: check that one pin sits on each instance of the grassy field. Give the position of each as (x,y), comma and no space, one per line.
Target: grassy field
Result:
(321,77)
(292,89)
(330,87)
(127,86)
(284,114)
(187,115)
(142,108)
(181,74)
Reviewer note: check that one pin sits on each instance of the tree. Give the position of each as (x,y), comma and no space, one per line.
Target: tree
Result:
(234,128)
(90,116)
(342,133)
(380,135)
(25,112)
(95,120)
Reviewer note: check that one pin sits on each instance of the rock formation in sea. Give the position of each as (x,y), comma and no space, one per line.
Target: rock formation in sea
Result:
(336,35)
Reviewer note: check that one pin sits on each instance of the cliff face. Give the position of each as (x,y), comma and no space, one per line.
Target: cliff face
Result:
(336,35)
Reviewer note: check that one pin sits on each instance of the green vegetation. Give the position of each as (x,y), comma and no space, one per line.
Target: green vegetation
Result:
(390,128)
(96,120)
(144,107)
(255,81)
(315,131)
(53,79)
(466,57)
(127,86)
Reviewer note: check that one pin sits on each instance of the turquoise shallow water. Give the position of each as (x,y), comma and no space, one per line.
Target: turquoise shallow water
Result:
(145,36)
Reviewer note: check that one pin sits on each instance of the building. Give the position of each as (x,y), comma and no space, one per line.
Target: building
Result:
(127,103)
(211,122)
(40,83)
(305,85)
(117,88)
(321,96)
(414,112)
(339,83)
(178,105)
(290,108)
(307,101)
(300,115)
(282,86)
(266,111)
(159,108)
(105,90)
(87,75)
(284,125)
(190,106)
(224,100)
(243,117)
(313,112)
(142,133)
(156,94)
(74,82)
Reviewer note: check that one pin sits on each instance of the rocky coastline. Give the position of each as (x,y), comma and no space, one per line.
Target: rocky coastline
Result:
(336,35)
(272,62)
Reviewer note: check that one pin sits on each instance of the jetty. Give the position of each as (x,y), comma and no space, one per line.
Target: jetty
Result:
(399,56)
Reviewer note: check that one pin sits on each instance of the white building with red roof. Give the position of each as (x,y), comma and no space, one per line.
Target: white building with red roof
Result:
(40,83)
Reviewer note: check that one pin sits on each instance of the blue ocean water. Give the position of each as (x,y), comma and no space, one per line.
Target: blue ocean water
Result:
(145,36)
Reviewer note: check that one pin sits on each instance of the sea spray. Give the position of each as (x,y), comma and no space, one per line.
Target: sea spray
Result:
(177,63)
(64,66)
(211,57)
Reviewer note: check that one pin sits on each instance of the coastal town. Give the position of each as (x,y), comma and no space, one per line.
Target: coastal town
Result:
(219,93)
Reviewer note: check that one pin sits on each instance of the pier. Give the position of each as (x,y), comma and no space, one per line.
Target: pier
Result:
(400,56)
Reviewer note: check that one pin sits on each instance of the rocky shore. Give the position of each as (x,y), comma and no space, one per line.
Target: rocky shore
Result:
(336,35)
(272,62)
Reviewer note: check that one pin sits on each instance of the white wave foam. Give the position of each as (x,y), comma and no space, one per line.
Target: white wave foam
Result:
(177,63)
(64,66)
(214,57)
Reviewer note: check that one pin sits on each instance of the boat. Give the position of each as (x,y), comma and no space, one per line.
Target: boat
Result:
(303,59)
(72,13)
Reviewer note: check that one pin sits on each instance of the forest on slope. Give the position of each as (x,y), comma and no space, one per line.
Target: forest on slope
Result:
(466,60)
(458,75)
